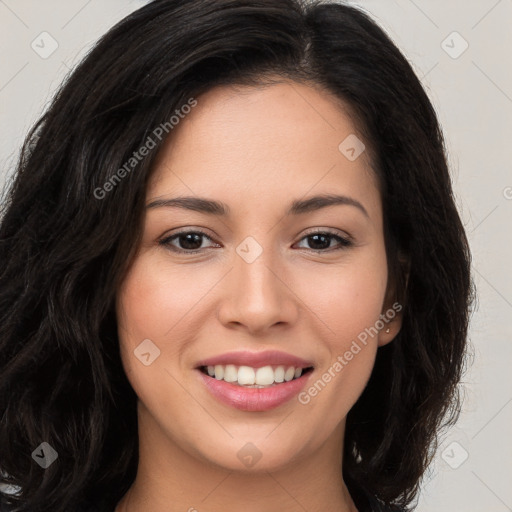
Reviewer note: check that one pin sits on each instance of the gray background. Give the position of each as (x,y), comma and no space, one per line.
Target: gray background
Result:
(472,95)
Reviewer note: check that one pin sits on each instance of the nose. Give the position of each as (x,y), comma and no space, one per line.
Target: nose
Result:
(256,296)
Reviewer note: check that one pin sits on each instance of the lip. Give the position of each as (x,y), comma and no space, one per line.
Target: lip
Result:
(253,399)
(256,359)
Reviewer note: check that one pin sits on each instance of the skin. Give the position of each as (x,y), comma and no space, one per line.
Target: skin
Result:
(255,149)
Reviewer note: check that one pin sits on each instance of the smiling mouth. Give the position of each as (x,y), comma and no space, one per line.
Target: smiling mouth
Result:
(249,377)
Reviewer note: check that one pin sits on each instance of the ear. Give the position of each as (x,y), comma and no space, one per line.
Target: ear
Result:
(392,310)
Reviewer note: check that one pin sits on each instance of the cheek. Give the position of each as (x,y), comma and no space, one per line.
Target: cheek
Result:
(156,298)
(348,303)
(159,302)
(348,298)
(147,307)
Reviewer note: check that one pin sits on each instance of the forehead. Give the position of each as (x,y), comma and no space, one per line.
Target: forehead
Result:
(276,141)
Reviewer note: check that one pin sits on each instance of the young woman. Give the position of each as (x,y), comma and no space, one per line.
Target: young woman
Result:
(233,273)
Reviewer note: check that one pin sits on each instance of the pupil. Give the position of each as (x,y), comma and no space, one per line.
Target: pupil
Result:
(191,238)
(316,237)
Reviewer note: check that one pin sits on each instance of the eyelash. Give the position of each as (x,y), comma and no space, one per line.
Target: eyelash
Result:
(344,243)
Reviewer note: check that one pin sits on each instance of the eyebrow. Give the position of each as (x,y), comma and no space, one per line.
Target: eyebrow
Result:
(297,207)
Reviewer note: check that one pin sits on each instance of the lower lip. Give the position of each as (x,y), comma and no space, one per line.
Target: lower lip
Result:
(254,399)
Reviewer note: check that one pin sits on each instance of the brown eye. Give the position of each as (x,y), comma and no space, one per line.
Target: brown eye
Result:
(321,241)
(189,242)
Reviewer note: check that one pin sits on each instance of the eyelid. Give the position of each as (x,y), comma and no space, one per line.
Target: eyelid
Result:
(329,231)
(185,230)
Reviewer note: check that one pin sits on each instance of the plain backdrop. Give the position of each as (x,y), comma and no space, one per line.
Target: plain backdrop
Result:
(462,52)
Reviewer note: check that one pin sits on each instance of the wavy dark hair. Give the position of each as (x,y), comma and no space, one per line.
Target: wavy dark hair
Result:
(64,251)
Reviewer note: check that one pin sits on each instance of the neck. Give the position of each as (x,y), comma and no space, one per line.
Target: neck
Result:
(172,478)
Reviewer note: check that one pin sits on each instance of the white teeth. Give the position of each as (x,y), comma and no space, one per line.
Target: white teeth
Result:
(289,374)
(279,374)
(254,377)
(230,373)
(264,376)
(219,371)
(246,375)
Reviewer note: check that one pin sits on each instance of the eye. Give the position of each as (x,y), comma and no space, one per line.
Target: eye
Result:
(321,240)
(190,241)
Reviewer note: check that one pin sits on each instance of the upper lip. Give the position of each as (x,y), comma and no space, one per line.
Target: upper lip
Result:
(256,359)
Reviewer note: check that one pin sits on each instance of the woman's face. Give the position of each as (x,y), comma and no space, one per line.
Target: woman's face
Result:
(261,280)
